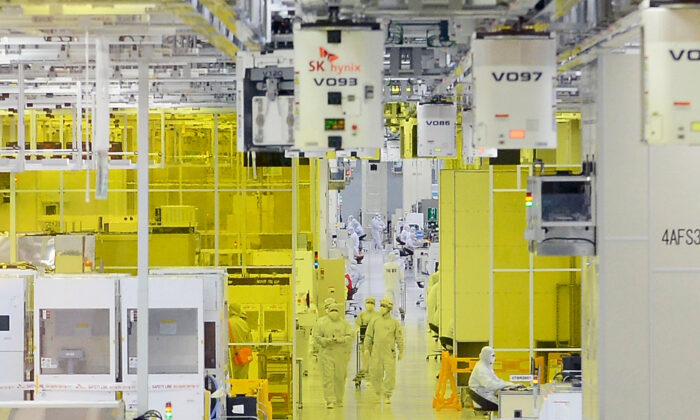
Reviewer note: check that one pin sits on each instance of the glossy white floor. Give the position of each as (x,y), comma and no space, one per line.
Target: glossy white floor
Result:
(414,387)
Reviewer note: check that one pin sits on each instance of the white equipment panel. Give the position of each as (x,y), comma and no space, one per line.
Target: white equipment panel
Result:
(75,336)
(469,151)
(339,79)
(437,130)
(13,294)
(514,96)
(215,315)
(265,100)
(671,42)
(176,344)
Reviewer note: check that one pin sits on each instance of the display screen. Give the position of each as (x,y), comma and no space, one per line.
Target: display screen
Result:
(172,341)
(4,323)
(566,201)
(335,124)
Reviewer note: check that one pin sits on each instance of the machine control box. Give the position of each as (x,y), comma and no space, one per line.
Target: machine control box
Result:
(338,87)
(560,213)
(469,150)
(671,54)
(514,95)
(437,130)
(265,99)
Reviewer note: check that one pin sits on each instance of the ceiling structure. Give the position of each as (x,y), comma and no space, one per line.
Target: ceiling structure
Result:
(191,44)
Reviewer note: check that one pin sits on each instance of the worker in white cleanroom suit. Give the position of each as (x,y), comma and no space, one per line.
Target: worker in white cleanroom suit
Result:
(383,339)
(483,379)
(393,277)
(377,231)
(361,323)
(333,337)
(355,244)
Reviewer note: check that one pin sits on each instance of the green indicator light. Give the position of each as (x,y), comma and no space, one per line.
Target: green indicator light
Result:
(335,124)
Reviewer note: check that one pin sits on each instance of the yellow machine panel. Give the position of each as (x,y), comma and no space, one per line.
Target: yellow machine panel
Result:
(330,282)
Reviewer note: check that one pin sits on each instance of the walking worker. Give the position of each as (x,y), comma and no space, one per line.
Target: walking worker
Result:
(333,337)
(361,323)
(383,338)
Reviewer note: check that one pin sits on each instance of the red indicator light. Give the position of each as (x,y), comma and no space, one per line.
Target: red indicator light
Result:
(501,115)
(517,134)
(681,103)
(354,126)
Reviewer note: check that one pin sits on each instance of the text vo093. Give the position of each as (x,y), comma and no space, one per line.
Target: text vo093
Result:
(335,81)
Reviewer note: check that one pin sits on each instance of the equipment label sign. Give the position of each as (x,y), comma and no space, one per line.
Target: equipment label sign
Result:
(48,363)
(263,281)
(521,378)
(681,236)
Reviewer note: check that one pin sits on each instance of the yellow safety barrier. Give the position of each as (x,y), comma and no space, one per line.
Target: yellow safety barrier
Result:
(254,388)
(448,370)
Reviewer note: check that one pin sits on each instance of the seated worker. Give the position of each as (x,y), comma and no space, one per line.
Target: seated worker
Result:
(484,381)
(408,237)
(399,233)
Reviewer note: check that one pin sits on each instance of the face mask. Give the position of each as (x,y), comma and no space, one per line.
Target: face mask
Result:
(492,359)
(370,307)
(334,315)
(384,310)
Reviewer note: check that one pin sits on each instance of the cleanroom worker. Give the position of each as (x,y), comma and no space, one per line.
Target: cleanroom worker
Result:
(483,379)
(239,332)
(361,323)
(383,338)
(333,337)
(377,229)
(322,318)
(432,302)
(355,243)
(393,276)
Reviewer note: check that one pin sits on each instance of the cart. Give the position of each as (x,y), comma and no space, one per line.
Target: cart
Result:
(359,374)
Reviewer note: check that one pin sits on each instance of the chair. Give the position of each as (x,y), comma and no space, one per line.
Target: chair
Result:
(485,406)
(421,296)
(352,307)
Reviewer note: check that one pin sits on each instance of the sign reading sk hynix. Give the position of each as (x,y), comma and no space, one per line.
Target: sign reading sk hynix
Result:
(437,131)
(339,77)
(514,97)
(671,54)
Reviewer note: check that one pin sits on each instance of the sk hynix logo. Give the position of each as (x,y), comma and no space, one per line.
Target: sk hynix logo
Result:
(325,54)
(327,63)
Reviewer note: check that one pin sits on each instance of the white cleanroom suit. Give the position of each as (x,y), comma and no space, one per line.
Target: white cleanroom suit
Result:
(383,338)
(393,277)
(377,229)
(361,323)
(483,379)
(334,336)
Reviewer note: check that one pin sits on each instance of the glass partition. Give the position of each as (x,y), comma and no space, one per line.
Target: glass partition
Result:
(74,341)
(172,341)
